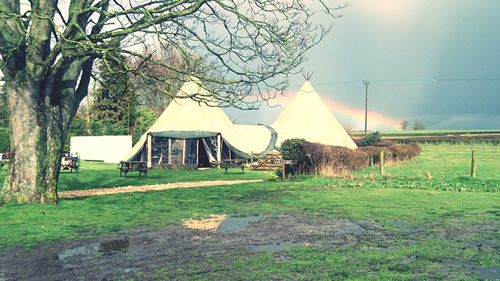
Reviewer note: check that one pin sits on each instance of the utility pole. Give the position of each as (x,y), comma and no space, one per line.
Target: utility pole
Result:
(366,101)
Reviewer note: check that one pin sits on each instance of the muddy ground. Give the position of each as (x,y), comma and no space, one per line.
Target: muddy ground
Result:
(140,253)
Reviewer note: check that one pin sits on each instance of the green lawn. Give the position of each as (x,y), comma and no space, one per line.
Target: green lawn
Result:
(102,175)
(445,223)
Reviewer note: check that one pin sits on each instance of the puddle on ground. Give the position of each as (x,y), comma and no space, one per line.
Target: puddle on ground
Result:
(276,246)
(94,249)
(87,250)
(116,245)
(488,272)
(234,224)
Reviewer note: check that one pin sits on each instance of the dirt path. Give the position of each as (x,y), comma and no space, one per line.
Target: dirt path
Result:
(146,188)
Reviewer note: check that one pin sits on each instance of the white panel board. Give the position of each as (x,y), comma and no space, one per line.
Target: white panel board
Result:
(109,149)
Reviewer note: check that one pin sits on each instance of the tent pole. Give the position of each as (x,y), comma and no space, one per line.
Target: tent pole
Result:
(197,152)
(169,151)
(149,151)
(219,150)
(183,151)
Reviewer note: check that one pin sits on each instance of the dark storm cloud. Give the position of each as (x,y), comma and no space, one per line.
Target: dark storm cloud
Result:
(438,61)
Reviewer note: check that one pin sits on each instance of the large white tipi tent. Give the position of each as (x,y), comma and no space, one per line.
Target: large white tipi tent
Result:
(308,117)
(189,132)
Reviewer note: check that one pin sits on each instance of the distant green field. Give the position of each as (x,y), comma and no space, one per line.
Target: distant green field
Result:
(428,132)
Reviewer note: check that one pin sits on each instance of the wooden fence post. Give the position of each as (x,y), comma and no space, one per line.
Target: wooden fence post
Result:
(381,162)
(473,165)
(283,171)
(251,160)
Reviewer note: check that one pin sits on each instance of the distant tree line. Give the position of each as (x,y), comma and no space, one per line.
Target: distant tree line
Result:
(417,125)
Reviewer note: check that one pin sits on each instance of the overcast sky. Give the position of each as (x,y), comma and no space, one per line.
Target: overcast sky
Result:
(435,61)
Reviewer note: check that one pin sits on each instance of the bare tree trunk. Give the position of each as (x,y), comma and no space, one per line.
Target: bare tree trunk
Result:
(36,140)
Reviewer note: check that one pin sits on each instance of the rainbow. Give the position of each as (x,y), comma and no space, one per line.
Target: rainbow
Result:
(376,120)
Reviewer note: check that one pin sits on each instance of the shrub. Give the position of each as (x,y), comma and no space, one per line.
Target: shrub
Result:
(371,139)
(333,161)
(373,153)
(336,161)
(293,149)
(405,152)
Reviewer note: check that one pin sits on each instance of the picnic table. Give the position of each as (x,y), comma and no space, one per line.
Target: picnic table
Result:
(233,163)
(130,166)
(70,163)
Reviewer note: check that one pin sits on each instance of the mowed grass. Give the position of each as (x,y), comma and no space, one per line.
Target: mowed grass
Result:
(104,175)
(445,223)
(438,215)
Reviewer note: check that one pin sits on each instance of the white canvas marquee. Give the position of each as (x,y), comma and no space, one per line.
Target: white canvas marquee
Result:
(109,149)
(196,133)
(308,117)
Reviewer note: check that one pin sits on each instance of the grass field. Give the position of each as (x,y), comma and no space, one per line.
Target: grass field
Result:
(409,234)
(429,132)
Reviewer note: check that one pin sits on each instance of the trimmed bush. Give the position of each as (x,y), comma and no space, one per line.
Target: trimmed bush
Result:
(371,139)
(335,161)
(373,153)
(293,149)
(405,152)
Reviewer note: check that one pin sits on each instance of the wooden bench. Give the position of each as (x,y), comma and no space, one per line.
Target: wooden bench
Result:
(131,166)
(70,163)
(233,163)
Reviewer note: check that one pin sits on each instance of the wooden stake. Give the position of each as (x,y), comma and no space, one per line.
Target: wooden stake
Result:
(381,162)
(251,160)
(283,173)
(473,165)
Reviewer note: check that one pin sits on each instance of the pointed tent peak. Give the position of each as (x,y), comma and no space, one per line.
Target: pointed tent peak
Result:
(307,76)
(190,87)
(193,91)
(307,87)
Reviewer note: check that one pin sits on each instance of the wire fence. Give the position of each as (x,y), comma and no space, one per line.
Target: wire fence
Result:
(448,161)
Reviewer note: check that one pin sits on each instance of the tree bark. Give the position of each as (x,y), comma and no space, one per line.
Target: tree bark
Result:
(37,138)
